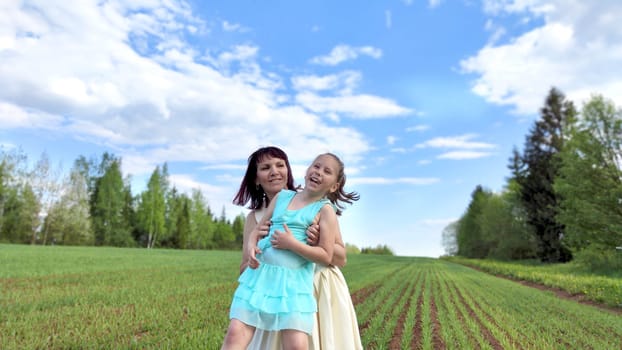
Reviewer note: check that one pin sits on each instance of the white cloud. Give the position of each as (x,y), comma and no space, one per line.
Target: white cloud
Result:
(344,82)
(497,31)
(12,116)
(391,140)
(233,27)
(577,49)
(391,181)
(421,127)
(460,155)
(354,106)
(224,167)
(434,3)
(213,194)
(462,141)
(125,75)
(464,147)
(342,53)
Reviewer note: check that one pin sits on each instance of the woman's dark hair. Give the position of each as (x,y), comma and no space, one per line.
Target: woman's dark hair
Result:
(249,191)
(340,195)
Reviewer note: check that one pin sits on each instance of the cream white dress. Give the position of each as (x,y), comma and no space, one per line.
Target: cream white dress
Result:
(336,327)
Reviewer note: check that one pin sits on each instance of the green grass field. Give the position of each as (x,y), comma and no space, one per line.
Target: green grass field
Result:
(114,298)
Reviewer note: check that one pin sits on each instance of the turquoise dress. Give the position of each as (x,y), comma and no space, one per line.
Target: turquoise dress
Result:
(279,293)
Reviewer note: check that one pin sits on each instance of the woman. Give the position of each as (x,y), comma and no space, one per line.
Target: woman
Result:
(336,327)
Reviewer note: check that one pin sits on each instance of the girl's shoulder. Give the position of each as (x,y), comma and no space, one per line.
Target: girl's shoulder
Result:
(328,208)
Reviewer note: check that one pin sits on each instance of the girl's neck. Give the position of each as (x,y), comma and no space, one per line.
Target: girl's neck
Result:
(308,197)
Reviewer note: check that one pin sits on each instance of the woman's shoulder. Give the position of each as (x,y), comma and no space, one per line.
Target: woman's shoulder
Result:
(258,214)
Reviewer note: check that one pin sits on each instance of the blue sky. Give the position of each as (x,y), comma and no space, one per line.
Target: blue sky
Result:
(423,100)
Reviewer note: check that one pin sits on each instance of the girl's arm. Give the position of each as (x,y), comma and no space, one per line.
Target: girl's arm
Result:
(339,253)
(323,252)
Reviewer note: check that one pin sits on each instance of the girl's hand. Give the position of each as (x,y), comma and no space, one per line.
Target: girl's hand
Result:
(313,234)
(283,239)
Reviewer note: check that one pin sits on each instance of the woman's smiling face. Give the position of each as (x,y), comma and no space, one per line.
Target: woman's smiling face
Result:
(271,175)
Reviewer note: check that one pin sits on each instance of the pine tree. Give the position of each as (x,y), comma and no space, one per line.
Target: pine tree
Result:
(108,222)
(535,174)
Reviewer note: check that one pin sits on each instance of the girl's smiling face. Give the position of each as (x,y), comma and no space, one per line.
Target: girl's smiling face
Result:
(322,175)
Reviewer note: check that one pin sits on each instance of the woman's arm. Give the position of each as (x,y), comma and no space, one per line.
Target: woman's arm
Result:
(260,230)
(263,228)
(339,254)
(249,225)
(323,252)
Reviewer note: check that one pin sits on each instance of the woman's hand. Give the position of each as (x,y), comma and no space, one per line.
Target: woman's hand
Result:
(313,233)
(283,239)
(263,228)
(253,263)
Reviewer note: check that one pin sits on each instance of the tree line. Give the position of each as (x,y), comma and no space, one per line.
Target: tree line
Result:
(93,205)
(563,199)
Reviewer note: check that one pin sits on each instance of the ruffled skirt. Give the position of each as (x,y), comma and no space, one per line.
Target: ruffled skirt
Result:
(276,297)
(335,324)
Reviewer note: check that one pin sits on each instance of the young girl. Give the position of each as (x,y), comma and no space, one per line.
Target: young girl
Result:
(276,293)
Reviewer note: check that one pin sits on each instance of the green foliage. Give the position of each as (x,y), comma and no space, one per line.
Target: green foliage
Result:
(598,258)
(95,205)
(152,209)
(380,249)
(352,249)
(202,225)
(20,215)
(183,224)
(590,179)
(109,223)
(68,221)
(238,229)
(493,226)
(223,235)
(469,233)
(603,287)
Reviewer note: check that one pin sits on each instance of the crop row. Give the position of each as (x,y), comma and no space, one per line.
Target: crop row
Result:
(440,305)
(567,277)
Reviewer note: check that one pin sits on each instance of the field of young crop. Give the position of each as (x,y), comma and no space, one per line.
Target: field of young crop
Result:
(112,298)
(569,278)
